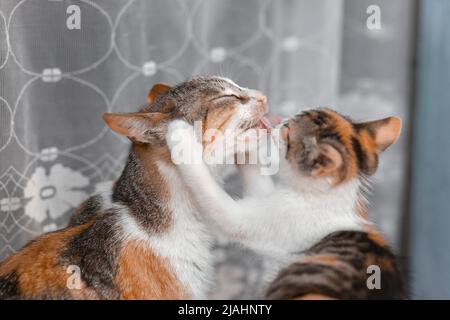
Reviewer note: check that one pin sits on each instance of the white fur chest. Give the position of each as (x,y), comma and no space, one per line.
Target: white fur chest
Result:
(286,221)
(318,214)
(187,245)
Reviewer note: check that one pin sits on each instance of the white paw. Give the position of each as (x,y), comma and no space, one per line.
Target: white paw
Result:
(182,142)
(178,132)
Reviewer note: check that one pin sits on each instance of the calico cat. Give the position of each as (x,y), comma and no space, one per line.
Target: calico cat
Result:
(144,238)
(316,211)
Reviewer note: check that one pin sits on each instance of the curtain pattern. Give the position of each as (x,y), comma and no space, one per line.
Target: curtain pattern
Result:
(57,80)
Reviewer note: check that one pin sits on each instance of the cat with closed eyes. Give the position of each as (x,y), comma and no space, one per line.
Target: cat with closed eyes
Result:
(142,238)
(313,220)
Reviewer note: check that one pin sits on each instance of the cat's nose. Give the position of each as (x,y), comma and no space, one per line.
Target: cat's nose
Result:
(260,97)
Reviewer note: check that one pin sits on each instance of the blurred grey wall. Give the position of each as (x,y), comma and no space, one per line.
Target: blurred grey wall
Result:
(430,192)
(376,81)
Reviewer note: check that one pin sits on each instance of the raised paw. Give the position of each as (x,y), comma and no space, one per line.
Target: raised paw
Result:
(178,131)
(182,142)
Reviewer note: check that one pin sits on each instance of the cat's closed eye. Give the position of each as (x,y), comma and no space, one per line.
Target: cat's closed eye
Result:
(229,96)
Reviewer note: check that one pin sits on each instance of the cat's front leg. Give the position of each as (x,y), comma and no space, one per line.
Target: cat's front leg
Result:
(251,161)
(215,204)
(255,183)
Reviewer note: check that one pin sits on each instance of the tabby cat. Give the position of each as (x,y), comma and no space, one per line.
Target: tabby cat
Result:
(143,239)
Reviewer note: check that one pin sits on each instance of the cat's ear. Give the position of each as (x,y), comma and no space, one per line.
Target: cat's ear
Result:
(156,90)
(384,132)
(138,126)
(325,162)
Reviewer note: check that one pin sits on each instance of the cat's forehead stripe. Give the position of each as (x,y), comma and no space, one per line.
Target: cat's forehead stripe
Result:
(234,84)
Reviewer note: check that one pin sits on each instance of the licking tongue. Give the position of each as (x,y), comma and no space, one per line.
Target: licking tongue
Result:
(268,121)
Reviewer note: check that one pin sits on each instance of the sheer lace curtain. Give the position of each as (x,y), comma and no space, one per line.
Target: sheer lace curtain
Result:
(58,74)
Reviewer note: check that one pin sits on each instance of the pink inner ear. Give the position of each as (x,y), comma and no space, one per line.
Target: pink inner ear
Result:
(135,125)
(115,122)
(388,133)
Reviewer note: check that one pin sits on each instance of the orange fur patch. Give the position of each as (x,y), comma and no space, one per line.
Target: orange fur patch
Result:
(156,90)
(39,270)
(343,127)
(377,237)
(369,147)
(216,122)
(345,131)
(143,275)
(325,259)
(367,142)
(218,119)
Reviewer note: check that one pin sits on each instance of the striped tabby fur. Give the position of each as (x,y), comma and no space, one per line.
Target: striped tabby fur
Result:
(337,267)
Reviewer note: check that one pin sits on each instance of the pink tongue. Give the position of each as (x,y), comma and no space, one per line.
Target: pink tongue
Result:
(268,121)
(274,119)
